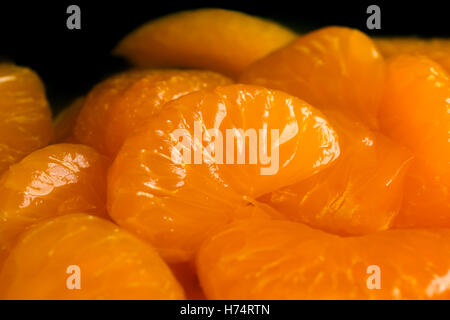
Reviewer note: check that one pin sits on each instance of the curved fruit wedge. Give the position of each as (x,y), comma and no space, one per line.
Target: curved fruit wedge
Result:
(215,39)
(207,153)
(435,49)
(416,113)
(65,121)
(79,256)
(25,116)
(286,260)
(123,103)
(56,180)
(361,193)
(331,68)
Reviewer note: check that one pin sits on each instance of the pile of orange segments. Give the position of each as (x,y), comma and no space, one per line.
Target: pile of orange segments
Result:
(236,159)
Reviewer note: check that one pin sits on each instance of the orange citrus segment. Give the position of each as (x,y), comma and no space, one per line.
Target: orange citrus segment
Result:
(123,103)
(435,49)
(167,185)
(56,180)
(263,259)
(215,39)
(25,116)
(331,68)
(361,193)
(109,263)
(416,113)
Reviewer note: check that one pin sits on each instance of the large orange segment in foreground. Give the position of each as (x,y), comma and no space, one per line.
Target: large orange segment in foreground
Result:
(361,193)
(112,264)
(56,180)
(436,49)
(173,198)
(215,39)
(25,116)
(416,112)
(331,68)
(287,260)
(123,103)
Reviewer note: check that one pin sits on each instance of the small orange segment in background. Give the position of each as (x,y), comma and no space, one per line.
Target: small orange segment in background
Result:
(110,262)
(56,180)
(214,39)
(435,49)
(121,104)
(360,193)
(25,116)
(331,68)
(173,191)
(416,113)
(267,259)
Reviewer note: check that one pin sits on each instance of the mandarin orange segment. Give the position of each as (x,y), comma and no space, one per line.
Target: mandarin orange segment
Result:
(56,180)
(331,68)
(215,39)
(186,274)
(361,193)
(415,112)
(435,49)
(25,116)
(65,121)
(263,259)
(181,176)
(110,263)
(123,103)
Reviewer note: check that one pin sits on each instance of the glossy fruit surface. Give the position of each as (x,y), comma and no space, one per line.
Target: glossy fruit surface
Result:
(56,180)
(360,193)
(49,259)
(435,49)
(416,113)
(286,260)
(25,116)
(331,68)
(180,177)
(214,39)
(123,103)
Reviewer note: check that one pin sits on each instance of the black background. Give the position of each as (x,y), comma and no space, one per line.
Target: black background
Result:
(70,62)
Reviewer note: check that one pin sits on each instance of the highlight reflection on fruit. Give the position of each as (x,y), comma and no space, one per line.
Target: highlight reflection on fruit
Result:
(236,159)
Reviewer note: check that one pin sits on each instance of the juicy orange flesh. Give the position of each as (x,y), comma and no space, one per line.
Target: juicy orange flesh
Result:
(118,106)
(232,222)
(112,263)
(25,116)
(53,181)
(264,259)
(415,112)
(214,39)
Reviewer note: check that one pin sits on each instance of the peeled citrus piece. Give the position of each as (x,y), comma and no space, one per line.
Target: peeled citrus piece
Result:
(286,260)
(435,49)
(56,180)
(50,260)
(361,193)
(331,68)
(65,121)
(416,113)
(25,116)
(214,39)
(123,103)
(179,178)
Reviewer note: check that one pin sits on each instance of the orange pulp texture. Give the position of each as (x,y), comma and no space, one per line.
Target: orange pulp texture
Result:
(113,264)
(174,201)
